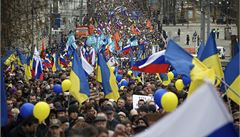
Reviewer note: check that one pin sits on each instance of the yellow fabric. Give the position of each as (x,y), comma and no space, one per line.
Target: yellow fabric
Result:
(75,88)
(199,73)
(214,63)
(194,85)
(113,83)
(98,74)
(10,59)
(28,74)
(236,87)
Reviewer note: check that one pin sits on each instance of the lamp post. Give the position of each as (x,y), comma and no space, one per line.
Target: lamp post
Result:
(202,5)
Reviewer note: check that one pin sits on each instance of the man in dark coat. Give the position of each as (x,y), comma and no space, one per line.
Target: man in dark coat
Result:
(26,128)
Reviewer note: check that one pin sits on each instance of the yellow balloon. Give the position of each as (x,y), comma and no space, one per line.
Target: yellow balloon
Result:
(41,111)
(169,101)
(179,85)
(170,75)
(166,82)
(66,85)
(129,72)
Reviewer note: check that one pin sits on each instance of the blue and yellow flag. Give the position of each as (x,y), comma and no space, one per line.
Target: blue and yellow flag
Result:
(210,57)
(28,67)
(80,87)
(25,62)
(232,78)
(9,57)
(22,57)
(200,50)
(187,65)
(56,64)
(106,76)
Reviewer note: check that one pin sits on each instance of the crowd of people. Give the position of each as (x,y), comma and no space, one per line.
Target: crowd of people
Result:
(98,116)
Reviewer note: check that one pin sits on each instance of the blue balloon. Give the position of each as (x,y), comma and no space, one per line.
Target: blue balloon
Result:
(158,96)
(26,110)
(186,80)
(119,78)
(174,73)
(124,83)
(57,88)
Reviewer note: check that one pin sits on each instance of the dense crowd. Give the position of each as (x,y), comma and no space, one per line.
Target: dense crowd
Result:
(98,116)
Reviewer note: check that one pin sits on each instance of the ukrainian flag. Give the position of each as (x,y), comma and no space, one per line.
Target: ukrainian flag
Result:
(232,78)
(22,57)
(80,87)
(25,62)
(200,50)
(56,64)
(210,57)
(187,65)
(9,57)
(28,68)
(106,76)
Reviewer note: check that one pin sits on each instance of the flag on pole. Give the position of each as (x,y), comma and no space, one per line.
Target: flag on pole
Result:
(232,78)
(155,63)
(106,76)
(186,64)
(37,66)
(210,57)
(86,66)
(56,63)
(43,49)
(80,87)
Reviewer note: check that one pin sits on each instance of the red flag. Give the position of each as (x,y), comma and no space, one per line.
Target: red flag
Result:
(43,50)
(116,38)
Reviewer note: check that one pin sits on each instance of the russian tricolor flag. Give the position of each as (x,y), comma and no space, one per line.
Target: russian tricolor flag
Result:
(47,63)
(126,49)
(155,63)
(37,66)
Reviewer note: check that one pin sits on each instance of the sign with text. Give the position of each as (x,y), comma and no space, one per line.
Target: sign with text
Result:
(136,98)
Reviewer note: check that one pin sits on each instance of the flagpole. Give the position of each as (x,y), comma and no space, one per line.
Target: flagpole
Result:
(143,78)
(229,103)
(228,87)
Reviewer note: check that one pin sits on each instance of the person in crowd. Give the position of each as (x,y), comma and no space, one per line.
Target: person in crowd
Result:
(73,114)
(187,39)
(179,32)
(55,129)
(26,128)
(111,121)
(218,32)
(98,116)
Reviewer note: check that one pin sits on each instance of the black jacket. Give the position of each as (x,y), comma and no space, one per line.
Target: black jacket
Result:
(18,132)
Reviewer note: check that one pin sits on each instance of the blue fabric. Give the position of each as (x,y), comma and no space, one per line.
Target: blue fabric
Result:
(210,48)
(132,62)
(224,131)
(4,113)
(21,56)
(200,50)
(232,71)
(179,58)
(7,55)
(79,71)
(105,73)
